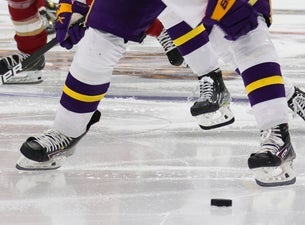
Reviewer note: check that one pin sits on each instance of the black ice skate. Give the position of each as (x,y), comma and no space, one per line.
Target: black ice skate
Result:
(297,102)
(173,55)
(48,20)
(31,74)
(212,108)
(49,150)
(273,162)
(48,16)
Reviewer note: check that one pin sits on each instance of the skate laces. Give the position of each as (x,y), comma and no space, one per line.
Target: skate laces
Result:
(14,59)
(166,41)
(52,140)
(271,140)
(205,88)
(299,105)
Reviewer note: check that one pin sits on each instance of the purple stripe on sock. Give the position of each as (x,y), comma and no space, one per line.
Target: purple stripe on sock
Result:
(85,89)
(77,106)
(266,93)
(193,44)
(260,71)
(179,30)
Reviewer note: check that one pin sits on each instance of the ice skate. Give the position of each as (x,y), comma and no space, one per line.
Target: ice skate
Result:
(272,164)
(48,16)
(48,20)
(49,150)
(173,55)
(297,102)
(212,108)
(30,75)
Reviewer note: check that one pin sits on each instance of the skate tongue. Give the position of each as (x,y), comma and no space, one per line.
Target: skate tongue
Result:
(271,140)
(206,88)
(94,119)
(207,79)
(272,145)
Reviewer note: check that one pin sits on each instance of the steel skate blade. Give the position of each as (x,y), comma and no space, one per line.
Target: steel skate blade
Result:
(24,163)
(275,176)
(220,118)
(275,184)
(26,77)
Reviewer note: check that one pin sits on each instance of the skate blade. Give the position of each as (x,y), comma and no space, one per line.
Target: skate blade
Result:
(26,77)
(275,176)
(24,163)
(220,118)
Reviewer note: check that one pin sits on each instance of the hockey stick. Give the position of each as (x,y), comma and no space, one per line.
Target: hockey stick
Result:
(32,58)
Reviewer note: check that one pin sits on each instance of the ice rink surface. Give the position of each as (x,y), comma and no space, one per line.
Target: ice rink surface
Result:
(147,162)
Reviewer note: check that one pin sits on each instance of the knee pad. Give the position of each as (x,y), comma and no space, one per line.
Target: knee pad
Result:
(254,48)
(94,63)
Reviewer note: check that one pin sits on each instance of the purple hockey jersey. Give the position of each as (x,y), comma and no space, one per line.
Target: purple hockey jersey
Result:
(128,19)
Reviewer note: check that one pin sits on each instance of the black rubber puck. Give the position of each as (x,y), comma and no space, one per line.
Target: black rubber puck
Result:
(221,202)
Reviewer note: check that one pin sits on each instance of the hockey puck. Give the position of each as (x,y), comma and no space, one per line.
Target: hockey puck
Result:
(221,202)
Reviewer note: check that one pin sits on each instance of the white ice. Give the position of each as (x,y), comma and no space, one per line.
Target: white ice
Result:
(147,162)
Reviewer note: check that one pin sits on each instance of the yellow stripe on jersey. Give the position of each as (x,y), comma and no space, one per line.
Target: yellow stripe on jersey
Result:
(81,97)
(252,2)
(63,8)
(221,9)
(263,83)
(189,35)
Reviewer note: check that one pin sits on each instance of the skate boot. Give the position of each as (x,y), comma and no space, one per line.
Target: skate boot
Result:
(49,150)
(173,55)
(272,164)
(212,108)
(48,20)
(297,102)
(30,75)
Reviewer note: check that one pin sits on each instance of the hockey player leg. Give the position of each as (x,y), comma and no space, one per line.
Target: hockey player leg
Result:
(261,73)
(49,150)
(30,36)
(85,86)
(157,30)
(212,108)
(273,163)
(174,56)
